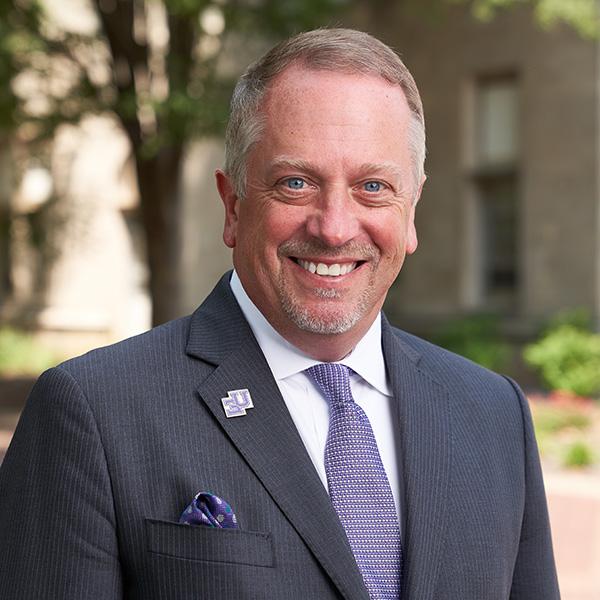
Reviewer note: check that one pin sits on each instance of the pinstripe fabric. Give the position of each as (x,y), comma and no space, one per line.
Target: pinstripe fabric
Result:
(113,445)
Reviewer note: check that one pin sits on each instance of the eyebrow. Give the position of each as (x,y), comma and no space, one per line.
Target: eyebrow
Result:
(298,164)
(383,167)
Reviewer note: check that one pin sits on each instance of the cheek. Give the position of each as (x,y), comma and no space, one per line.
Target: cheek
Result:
(284,222)
(388,233)
(262,231)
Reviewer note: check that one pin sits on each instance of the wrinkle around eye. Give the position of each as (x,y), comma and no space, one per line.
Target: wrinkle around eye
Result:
(381,198)
(283,193)
(382,187)
(283,188)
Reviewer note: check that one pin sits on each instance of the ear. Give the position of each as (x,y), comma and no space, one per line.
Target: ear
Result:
(231,203)
(411,234)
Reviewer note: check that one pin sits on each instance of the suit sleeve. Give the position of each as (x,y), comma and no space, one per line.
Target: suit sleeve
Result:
(57,521)
(534,576)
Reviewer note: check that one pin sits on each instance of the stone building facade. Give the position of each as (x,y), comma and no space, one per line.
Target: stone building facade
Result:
(509,219)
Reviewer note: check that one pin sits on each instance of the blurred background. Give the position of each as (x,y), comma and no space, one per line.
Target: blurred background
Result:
(111,121)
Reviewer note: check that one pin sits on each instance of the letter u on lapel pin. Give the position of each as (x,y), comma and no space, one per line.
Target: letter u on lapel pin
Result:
(236,403)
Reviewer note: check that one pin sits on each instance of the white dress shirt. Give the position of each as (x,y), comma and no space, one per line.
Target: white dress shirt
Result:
(308,407)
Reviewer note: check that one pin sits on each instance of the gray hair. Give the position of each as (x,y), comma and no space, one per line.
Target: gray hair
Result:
(340,50)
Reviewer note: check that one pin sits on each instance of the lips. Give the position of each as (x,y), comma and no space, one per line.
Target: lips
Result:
(333,270)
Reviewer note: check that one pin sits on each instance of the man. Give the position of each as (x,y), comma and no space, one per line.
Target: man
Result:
(360,462)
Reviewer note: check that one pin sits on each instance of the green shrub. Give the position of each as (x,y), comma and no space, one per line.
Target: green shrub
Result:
(549,418)
(21,355)
(578,454)
(579,318)
(568,359)
(478,338)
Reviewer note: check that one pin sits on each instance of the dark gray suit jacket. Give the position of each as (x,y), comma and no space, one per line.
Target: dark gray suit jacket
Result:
(113,445)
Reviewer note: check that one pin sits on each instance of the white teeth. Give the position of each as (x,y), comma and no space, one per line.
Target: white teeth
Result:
(334,270)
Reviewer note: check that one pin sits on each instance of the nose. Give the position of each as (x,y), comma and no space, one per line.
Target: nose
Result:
(333,220)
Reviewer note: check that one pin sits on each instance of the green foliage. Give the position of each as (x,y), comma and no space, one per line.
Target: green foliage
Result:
(579,318)
(477,338)
(565,431)
(21,355)
(578,454)
(581,15)
(550,418)
(177,91)
(281,18)
(568,358)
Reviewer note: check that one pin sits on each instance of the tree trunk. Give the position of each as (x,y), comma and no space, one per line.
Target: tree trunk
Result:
(159,186)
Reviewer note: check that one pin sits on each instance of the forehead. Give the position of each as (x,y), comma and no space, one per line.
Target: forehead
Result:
(336,90)
(327,110)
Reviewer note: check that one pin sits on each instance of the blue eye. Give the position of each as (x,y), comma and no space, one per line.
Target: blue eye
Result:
(372,186)
(295,183)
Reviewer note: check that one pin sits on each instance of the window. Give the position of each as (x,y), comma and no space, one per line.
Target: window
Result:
(497,122)
(495,179)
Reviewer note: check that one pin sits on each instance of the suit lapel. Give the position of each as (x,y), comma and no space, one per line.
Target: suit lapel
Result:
(266,436)
(421,410)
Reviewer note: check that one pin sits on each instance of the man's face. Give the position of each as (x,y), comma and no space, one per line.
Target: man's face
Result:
(328,215)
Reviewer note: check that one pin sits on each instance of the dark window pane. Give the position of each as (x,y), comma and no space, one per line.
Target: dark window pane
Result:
(498,197)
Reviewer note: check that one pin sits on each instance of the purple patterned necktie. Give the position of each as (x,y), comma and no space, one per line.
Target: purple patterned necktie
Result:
(358,486)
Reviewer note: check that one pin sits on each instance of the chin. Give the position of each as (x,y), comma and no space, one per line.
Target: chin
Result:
(322,322)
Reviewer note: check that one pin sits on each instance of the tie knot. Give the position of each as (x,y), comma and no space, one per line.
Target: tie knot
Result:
(334,381)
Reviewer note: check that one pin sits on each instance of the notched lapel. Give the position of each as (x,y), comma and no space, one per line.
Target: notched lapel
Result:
(422,412)
(267,439)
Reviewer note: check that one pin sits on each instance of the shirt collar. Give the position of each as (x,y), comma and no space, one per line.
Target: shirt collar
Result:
(285,359)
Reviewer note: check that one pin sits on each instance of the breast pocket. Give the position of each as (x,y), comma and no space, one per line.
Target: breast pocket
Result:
(209,544)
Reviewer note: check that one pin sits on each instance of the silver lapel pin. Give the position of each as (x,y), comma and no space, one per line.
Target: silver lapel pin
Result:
(236,403)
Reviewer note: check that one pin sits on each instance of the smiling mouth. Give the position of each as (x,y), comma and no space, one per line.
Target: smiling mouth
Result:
(333,270)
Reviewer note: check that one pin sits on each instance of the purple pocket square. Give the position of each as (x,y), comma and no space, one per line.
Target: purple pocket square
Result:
(210,510)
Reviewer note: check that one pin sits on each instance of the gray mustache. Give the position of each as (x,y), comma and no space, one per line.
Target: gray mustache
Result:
(353,249)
